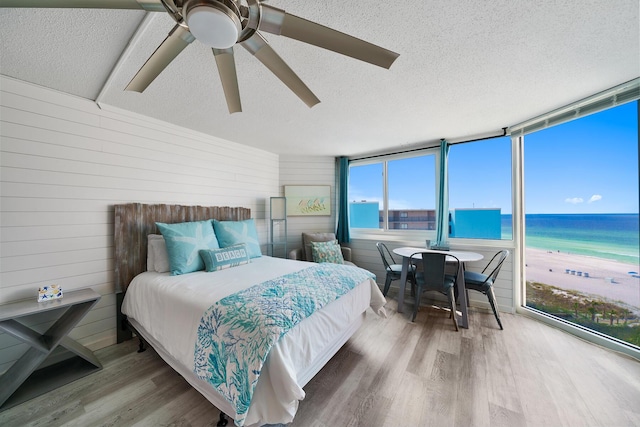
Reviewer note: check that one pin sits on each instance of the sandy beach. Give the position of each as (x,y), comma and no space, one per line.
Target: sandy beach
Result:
(607,278)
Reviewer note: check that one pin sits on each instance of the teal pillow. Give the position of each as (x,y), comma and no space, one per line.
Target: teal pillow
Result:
(219,259)
(231,233)
(184,240)
(327,252)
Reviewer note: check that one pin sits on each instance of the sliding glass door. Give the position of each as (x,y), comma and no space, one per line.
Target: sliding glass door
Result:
(581,222)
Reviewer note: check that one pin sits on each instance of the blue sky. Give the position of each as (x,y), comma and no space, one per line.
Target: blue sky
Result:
(589,165)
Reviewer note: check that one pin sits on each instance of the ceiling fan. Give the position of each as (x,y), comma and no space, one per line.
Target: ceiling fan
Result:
(221,24)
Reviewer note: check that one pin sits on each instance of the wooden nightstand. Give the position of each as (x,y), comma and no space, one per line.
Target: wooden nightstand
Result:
(21,381)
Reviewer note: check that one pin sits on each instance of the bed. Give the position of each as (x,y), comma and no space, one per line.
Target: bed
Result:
(174,314)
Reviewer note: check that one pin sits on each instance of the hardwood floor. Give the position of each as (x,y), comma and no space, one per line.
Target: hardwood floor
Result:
(392,373)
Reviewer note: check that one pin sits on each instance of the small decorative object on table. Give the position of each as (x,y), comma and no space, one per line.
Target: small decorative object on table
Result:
(23,380)
(440,247)
(47,293)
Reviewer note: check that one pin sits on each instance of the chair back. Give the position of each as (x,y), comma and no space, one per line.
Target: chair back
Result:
(386,255)
(501,257)
(433,268)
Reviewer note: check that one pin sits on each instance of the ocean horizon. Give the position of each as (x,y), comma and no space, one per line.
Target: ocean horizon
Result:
(609,236)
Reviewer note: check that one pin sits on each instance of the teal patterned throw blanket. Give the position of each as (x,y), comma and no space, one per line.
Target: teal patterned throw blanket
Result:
(236,333)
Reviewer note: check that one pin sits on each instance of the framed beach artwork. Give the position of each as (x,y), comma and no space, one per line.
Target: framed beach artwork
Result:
(308,200)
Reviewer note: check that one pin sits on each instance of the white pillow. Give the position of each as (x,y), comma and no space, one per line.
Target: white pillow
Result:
(150,255)
(157,257)
(161,257)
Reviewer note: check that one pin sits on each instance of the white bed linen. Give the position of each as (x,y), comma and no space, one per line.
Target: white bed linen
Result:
(169,308)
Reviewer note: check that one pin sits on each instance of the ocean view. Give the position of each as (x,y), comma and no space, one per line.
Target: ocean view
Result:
(584,268)
(609,236)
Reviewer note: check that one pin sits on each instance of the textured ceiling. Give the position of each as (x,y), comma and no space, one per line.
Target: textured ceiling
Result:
(466,68)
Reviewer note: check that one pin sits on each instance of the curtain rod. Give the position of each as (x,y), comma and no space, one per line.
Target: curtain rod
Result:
(504,133)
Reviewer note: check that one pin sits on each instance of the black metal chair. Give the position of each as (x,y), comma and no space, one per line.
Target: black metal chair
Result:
(394,270)
(433,278)
(482,282)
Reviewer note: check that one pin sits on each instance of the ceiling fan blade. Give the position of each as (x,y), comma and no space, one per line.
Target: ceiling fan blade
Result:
(258,47)
(176,41)
(150,5)
(279,22)
(229,77)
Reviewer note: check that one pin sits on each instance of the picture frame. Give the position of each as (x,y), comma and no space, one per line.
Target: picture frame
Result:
(308,200)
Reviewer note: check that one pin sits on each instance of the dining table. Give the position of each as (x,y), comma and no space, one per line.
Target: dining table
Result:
(463,256)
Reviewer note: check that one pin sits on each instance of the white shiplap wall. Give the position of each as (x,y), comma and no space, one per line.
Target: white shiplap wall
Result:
(306,170)
(64,163)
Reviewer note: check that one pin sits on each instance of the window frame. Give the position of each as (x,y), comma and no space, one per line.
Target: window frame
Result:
(622,94)
(513,190)
(421,235)
(384,159)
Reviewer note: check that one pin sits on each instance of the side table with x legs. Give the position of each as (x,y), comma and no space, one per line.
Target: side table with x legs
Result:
(21,381)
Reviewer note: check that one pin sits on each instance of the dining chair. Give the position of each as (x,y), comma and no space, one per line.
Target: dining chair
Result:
(433,278)
(483,282)
(394,270)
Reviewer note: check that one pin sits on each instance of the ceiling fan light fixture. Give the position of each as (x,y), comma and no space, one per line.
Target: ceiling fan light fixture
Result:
(213,23)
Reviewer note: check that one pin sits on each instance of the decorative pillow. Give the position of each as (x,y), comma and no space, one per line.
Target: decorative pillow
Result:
(307,238)
(231,233)
(327,252)
(219,259)
(184,240)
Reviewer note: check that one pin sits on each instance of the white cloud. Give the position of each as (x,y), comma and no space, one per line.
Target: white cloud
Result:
(595,198)
(574,200)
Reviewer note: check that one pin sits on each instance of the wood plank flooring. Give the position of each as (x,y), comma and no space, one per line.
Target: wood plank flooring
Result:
(392,373)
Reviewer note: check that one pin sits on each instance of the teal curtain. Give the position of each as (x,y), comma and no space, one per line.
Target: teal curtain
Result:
(342,233)
(443,197)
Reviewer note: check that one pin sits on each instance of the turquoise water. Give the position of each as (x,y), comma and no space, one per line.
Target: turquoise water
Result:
(610,236)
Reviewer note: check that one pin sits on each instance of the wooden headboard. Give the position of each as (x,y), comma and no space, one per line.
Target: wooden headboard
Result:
(134,221)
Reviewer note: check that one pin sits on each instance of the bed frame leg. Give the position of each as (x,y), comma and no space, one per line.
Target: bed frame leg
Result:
(141,345)
(223,420)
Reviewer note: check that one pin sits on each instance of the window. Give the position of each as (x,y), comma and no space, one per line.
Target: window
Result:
(480,189)
(365,195)
(401,193)
(394,193)
(581,217)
